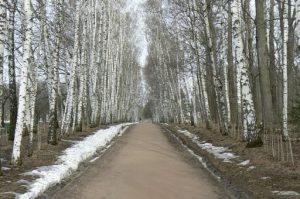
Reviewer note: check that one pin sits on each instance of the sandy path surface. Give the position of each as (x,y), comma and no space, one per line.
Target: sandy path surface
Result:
(143,164)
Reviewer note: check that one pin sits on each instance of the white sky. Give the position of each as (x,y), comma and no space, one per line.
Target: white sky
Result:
(135,6)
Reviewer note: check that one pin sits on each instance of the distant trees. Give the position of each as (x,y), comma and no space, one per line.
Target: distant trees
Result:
(230,79)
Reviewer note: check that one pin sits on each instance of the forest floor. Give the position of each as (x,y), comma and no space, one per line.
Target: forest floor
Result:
(252,170)
(142,164)
(12,181)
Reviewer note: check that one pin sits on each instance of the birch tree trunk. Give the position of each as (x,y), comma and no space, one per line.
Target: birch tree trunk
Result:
(272,64)
(249,121)
(16,154)
(66,122)
(297,22)
(3,23)
(32,103)
(262,52)
(12,73)
(231,71)
(224,73)
(218,88)
(285,71)
(82,78)
(292,69)
(53,124)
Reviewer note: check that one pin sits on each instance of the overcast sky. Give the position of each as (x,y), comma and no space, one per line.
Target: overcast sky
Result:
(135,6)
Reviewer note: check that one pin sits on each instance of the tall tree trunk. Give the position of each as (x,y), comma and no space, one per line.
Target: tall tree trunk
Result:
(285,35)
(272,64)
(249,120)
(67,120)
(12,73)
(262,52)
(16,154)
(297,22)
(217,85)
(249,50)
(3,23)
(53,123)
(290,56)
(32,103)
(231,71)
(82,82)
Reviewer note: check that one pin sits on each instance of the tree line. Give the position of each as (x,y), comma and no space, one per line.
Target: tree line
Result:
(73,63)
(229,64)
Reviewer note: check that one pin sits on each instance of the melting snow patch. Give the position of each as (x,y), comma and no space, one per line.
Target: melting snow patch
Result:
(244,163)
(265,178)
(188,134)
(219,152)
(94,159)
(69,161)
(5,168)
(71,141)
(199,158)
(286,193)
(23,182)
(251,168)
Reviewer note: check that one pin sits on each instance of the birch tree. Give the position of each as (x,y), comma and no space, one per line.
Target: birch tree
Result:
(262,52)
(63,49)
(218,88)
(297,21)
(27,56)
(66,122)
(12,73)
(285,70)
(3,34)
(243,84)
(52,132)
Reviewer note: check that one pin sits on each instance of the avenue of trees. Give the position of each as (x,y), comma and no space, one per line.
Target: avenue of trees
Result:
(70,63)
(230,65)
(225,64)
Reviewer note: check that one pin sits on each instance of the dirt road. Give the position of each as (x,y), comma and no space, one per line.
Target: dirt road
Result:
(143,164)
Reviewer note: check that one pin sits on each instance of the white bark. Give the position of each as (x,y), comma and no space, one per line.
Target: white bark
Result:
(32,102)
(216,79)
(205,97)
(194,101)
(12,73)
(285,71)
(297,21)
(249,120)
(223,59)
(16,159)
(82,78)
(94,68)
(70,98)
(3,23)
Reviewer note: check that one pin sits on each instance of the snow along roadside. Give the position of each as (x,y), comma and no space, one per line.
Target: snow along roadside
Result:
(69,161)
(219,152)
(198,157)
(224,154)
